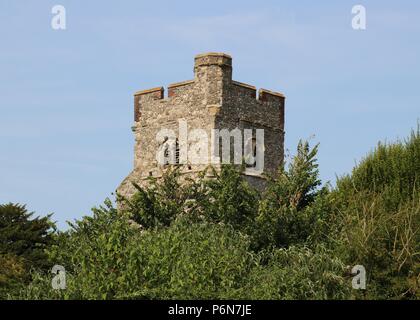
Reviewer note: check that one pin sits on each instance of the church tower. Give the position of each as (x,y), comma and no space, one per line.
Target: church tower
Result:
(209,120)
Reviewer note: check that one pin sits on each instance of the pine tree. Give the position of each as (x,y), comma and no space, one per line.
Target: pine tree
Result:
(23,236)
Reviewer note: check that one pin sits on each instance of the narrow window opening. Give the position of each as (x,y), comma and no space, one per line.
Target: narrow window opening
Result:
(253,146)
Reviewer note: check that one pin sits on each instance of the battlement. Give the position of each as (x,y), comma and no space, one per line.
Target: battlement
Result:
(212,74)
(173,88)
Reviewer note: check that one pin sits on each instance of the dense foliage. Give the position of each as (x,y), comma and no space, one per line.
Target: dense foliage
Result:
(213,238)
(378,218)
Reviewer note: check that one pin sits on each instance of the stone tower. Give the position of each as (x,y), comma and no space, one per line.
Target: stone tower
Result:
(175,127)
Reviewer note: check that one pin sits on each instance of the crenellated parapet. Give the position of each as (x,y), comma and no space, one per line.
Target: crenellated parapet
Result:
(212,81)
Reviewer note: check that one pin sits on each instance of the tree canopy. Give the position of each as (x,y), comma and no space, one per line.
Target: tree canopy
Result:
(219,238)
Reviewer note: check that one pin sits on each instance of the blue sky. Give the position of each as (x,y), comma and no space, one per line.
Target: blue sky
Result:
(66,96)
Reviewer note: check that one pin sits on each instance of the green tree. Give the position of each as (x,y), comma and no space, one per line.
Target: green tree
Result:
(293,209)
(158,204)
(377,219)
(23,240)
(25,236)
(215,237)
(225,197)
(107,257)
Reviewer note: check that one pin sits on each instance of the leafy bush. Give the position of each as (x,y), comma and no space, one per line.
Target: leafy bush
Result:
(12,274)
(107,258)
(298,272)
(158,204)
(225,198)
(377,219)
(391,169)
(216,237)
(294,210)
